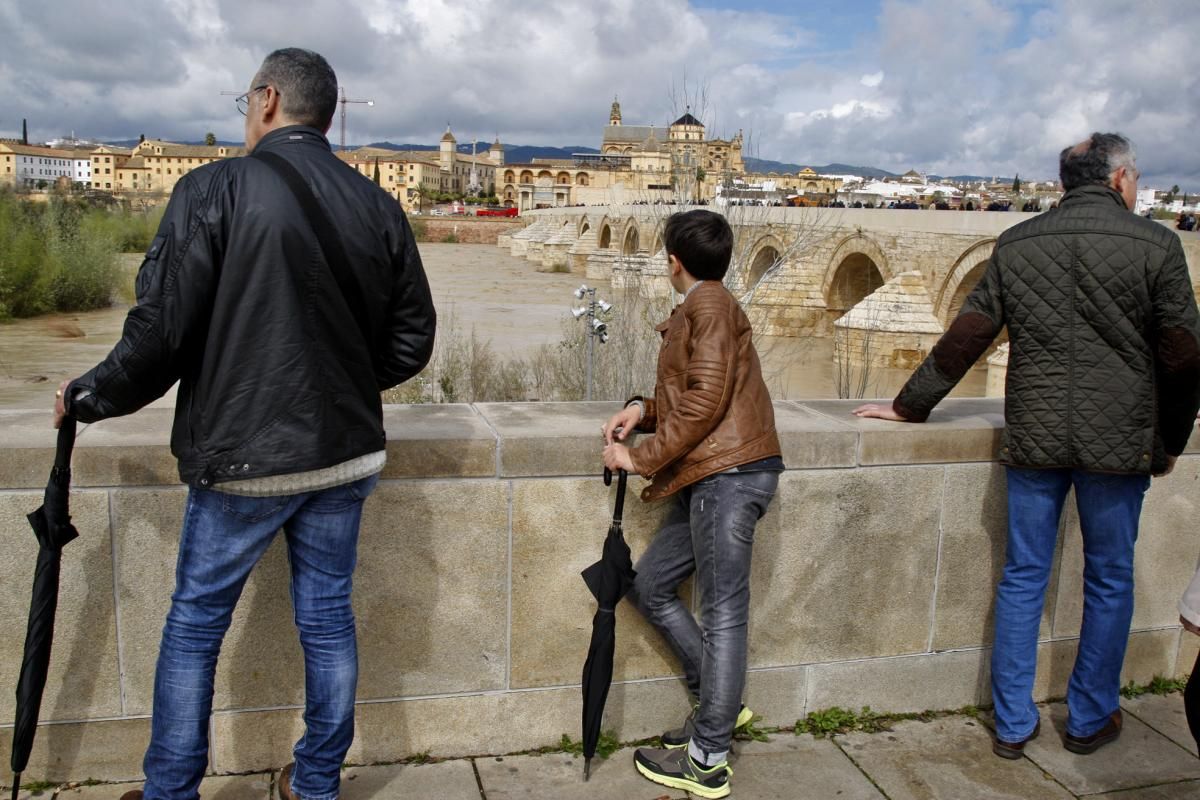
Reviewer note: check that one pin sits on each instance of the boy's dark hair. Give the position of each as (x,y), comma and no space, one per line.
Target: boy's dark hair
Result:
(702,241)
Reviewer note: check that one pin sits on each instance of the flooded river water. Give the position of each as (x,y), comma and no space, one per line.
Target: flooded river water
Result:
(504,299)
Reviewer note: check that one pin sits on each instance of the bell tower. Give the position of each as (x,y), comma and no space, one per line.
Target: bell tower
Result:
(614,116)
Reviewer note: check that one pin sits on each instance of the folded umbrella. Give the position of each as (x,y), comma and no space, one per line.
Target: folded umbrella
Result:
(609,579)
(1191,700)
(53,529)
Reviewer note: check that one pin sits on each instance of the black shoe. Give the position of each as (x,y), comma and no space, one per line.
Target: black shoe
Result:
(679,737)
(1014,750)
(676,769)
(1085,745)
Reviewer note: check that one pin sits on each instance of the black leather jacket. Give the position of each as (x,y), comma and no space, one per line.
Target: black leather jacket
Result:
(236,303)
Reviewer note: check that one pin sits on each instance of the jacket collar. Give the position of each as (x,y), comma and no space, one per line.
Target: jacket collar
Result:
(292,133)
(1093,194)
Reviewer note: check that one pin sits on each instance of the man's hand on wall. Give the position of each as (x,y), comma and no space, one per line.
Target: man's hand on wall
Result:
(878,411)
(1189,626)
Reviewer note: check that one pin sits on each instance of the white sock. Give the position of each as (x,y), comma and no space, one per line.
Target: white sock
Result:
(705,760)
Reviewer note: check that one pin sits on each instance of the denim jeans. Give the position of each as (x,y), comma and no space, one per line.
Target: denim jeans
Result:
(223,538)
(709,530)
(1109,507)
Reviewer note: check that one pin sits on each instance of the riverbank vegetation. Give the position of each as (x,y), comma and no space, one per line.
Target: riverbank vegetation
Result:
(63,254)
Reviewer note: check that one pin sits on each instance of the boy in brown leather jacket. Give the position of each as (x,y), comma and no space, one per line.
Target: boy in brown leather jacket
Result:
(716,454)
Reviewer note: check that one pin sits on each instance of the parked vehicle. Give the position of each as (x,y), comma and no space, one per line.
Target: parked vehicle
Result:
(495,211)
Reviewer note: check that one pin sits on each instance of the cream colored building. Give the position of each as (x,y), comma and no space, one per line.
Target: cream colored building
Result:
(636,163)
(154,166)
(405,173)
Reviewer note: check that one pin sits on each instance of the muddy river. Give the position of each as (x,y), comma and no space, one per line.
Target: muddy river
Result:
(504,299)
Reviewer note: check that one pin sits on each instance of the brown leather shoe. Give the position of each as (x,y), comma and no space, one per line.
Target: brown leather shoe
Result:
(132,794)
(285,783)
(1014,750)
(1085,745)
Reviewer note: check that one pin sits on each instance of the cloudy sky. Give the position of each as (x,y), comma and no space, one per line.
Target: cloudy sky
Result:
(946,86)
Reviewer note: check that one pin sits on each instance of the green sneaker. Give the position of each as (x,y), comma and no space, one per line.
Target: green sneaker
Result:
(676,769)
(679,737)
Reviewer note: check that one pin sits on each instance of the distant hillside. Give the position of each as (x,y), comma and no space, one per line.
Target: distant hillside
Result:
(513,153)
(765,165)
(129,144)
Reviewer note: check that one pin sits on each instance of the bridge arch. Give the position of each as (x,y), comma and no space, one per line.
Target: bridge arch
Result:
(631,239)
(584,226)
(604,237)
(764,254)
(857,268)
(966,272)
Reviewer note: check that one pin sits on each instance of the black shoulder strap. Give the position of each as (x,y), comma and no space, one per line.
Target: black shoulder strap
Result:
(331,243)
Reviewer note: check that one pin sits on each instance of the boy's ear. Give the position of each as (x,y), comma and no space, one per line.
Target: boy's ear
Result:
(673,264)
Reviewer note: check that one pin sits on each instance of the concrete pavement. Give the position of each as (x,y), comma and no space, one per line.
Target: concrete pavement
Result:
(947,758)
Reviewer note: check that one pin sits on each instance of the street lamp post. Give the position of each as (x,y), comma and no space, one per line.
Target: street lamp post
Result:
(594,328)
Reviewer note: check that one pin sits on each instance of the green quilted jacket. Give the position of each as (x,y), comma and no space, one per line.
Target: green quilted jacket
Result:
(1104,361)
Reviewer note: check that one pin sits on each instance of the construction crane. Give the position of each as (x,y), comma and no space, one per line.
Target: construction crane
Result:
(343,101)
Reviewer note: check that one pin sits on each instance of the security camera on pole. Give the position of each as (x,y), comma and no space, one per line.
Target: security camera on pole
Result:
(595,329)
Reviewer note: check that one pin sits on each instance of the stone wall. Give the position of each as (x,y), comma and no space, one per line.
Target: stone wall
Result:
(467,230)
(873,574)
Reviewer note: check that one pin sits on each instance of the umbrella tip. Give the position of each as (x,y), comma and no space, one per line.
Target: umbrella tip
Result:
(587,770)
(16,785)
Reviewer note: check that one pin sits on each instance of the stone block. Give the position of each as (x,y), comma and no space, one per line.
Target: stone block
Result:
(105,750)
(1189,652)
(904,684)
(946,759)
(1165,714)
(1165,557)
(27,444)
(811,440)
(414,636)
(1141,757)
(390,731)
(549,438)
(449,780)
(558,530)
(431,590)
(230,787)
(959,429)
(1148,653)
(974,531)
(777,695)
(776,770)
(436,441)
(127,451)
(83,681)
(560,776)
(841,569)
(1187,790)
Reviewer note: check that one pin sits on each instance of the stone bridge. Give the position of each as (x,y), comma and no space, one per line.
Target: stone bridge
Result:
(828,260)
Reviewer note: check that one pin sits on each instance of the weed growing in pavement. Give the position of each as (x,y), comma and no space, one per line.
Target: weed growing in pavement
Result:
(1158,685)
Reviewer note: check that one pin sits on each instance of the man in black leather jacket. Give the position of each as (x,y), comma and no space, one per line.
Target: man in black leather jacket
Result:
(281,341)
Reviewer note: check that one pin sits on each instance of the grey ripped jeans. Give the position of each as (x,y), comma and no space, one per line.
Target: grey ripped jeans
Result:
(709,530)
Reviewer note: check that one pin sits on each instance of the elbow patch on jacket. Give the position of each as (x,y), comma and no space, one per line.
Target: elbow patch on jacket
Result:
(968,336)
(1178,350)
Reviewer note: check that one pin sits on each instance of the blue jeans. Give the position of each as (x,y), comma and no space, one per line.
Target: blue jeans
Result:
(1109,507)
(223,538)
(709,530)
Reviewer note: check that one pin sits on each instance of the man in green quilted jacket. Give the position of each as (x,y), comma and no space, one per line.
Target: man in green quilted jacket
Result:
(1103,387)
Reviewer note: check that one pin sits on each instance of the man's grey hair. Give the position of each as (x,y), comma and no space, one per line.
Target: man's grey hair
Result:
(307,85)
(1095,160)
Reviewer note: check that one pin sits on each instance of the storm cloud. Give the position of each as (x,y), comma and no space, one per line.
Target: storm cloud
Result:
(946,86)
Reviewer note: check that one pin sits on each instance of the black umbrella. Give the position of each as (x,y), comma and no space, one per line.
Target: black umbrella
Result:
(53,529)
(608,579)
(1191,700)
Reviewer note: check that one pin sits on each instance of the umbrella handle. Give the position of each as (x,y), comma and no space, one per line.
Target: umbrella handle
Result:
(66,443)
(622,479)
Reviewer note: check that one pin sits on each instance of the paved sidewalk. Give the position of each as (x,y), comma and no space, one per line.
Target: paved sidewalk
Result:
(948,758)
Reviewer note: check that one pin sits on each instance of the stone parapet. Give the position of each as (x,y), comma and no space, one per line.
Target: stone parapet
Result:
(873,575)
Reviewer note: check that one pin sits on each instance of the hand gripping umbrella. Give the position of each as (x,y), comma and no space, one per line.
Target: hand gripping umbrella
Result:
(53,529)
(608,579)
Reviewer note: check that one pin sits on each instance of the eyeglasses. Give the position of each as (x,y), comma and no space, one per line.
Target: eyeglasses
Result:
(243,101)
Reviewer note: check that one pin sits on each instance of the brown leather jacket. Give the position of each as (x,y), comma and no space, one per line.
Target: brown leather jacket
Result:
(711,410)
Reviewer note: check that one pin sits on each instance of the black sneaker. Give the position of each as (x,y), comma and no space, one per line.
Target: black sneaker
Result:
(676,769)
(679,737)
